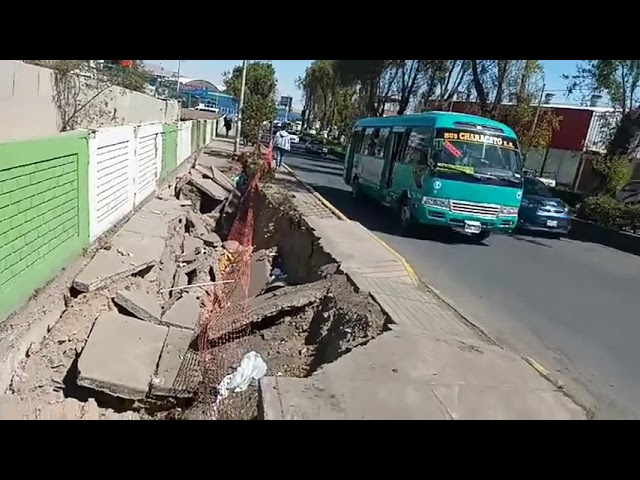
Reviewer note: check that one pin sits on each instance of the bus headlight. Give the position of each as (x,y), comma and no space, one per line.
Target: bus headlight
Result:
(436,202)
(508,211)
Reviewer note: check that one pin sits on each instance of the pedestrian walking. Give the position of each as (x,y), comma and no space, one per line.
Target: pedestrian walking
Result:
(281,145)
(227,125)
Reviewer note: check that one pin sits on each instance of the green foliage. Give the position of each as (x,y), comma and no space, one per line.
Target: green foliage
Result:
(613,171)
(619,79)
(610,213)
(259,97)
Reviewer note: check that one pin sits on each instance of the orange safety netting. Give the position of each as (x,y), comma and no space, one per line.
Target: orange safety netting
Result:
(224,320)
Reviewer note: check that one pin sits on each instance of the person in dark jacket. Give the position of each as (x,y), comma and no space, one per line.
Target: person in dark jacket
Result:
(227,125)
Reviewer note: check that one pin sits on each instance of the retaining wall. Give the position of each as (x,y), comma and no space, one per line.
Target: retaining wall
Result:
(58,194)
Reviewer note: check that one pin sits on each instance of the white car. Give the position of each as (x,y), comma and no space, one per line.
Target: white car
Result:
(293,137)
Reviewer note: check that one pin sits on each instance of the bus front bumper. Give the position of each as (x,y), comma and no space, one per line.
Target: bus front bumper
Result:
(458,221)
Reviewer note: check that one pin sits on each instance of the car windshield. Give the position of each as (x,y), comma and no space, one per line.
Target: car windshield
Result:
(533,186)
(478,153)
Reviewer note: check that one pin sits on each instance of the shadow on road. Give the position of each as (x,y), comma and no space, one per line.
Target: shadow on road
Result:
(377,218)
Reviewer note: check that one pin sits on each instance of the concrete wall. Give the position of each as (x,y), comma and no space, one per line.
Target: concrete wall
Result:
(58,194)
(34,104)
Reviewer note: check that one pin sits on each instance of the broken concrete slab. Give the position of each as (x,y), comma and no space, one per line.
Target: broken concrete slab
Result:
(185,313)
(177,374)
(208,186)
(285,301)
(108,265)
(13,407)
(198,227)
(212,239)
(260,271)
(143,305)
(192,245)
(231,246)
(216,175)
(121,355)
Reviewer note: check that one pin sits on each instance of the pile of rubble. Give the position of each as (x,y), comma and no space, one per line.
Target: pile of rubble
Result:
(136,308)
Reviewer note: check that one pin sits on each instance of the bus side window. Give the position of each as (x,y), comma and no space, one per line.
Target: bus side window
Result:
(399,140)
(366,140)
(383,137)
(419,146)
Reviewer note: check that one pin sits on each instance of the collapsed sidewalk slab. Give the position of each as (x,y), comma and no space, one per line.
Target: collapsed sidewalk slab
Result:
(129,253)
(121,355)
(405,375)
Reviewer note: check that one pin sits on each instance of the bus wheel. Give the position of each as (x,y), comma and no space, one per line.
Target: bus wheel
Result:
(406,218)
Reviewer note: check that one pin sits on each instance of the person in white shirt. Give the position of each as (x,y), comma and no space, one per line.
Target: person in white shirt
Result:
(281,145)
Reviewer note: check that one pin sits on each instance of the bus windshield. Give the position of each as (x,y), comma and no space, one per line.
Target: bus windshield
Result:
(477,154)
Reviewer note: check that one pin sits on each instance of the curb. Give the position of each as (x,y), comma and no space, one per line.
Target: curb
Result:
(542,371)
(410,271)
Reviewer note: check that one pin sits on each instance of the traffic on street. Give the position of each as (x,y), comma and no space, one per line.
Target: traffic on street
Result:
(567,303)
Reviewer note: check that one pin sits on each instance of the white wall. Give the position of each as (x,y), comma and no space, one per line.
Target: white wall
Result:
(184,140)
(31,104)
(124,168)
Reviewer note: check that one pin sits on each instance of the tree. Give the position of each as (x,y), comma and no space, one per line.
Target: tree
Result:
(259,97)
(619,80)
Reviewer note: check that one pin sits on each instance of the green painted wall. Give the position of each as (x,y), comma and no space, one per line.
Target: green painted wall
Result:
(203,133)
(169,149)
(44,212)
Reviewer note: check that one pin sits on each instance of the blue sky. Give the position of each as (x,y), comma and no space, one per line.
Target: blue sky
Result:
(288,70)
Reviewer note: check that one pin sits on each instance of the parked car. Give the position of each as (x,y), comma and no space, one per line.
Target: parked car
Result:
(315,147)
(630,193)
(541,210)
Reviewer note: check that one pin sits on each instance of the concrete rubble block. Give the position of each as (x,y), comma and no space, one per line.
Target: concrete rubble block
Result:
(216,175)
(285,301)
(184,313)
(207,186)
(145,306)
(199,228)
(178,373)
(13,407)
(129,253)
(69,409)
(212,240)
(192,245)
(121,355)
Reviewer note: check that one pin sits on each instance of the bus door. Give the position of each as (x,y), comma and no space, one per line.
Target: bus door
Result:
(396,146)
(354,146)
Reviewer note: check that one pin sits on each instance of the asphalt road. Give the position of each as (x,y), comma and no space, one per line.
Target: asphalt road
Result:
(572,306)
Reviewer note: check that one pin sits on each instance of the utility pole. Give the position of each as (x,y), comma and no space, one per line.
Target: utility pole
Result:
(236,147)
(178,85)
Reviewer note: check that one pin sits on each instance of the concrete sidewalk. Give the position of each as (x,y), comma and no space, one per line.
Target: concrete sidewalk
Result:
(431,364)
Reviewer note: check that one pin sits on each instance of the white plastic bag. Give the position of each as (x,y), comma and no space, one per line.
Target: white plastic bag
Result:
(251,368)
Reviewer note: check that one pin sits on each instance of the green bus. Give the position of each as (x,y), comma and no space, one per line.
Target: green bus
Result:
(446,169)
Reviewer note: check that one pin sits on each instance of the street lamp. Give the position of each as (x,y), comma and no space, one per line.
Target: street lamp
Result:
(178,85)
